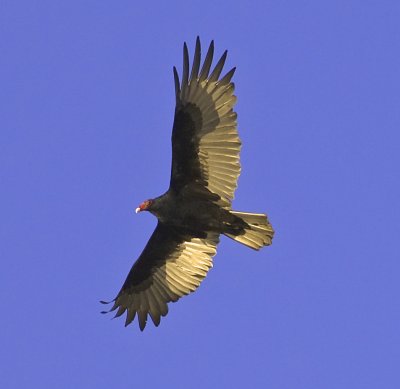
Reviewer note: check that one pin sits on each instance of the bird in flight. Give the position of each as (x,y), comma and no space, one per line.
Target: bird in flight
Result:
(196,209)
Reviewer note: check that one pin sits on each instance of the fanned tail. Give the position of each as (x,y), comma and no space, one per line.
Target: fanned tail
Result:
(258,234)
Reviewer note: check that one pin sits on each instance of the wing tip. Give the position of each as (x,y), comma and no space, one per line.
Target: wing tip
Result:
(177,84)
(113,308)
(226,79)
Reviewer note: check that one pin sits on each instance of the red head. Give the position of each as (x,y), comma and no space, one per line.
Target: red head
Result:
(144,206)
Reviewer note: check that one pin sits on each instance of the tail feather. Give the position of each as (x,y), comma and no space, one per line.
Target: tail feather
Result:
(258,234)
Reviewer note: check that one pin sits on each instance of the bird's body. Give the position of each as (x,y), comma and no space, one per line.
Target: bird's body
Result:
(196,209)
(194,214)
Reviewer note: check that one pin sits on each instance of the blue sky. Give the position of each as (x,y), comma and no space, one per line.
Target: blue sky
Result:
(86,110)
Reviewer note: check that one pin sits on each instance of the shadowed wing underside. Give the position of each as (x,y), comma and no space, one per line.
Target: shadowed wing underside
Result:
(172,265)
(205,141)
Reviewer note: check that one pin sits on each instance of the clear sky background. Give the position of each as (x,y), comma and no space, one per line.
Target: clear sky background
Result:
(86,110)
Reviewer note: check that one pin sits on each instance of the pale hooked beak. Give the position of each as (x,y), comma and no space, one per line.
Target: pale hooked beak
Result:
(137,210)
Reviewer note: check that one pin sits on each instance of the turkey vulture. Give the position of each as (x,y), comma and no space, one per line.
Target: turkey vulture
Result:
(196,209)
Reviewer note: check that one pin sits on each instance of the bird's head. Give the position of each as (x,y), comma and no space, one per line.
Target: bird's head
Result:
(145,206)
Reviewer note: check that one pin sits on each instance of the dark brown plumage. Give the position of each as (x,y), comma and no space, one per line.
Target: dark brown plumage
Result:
(196,209)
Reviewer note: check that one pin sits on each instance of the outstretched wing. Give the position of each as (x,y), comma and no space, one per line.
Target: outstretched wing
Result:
(205,141)
(172,265)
